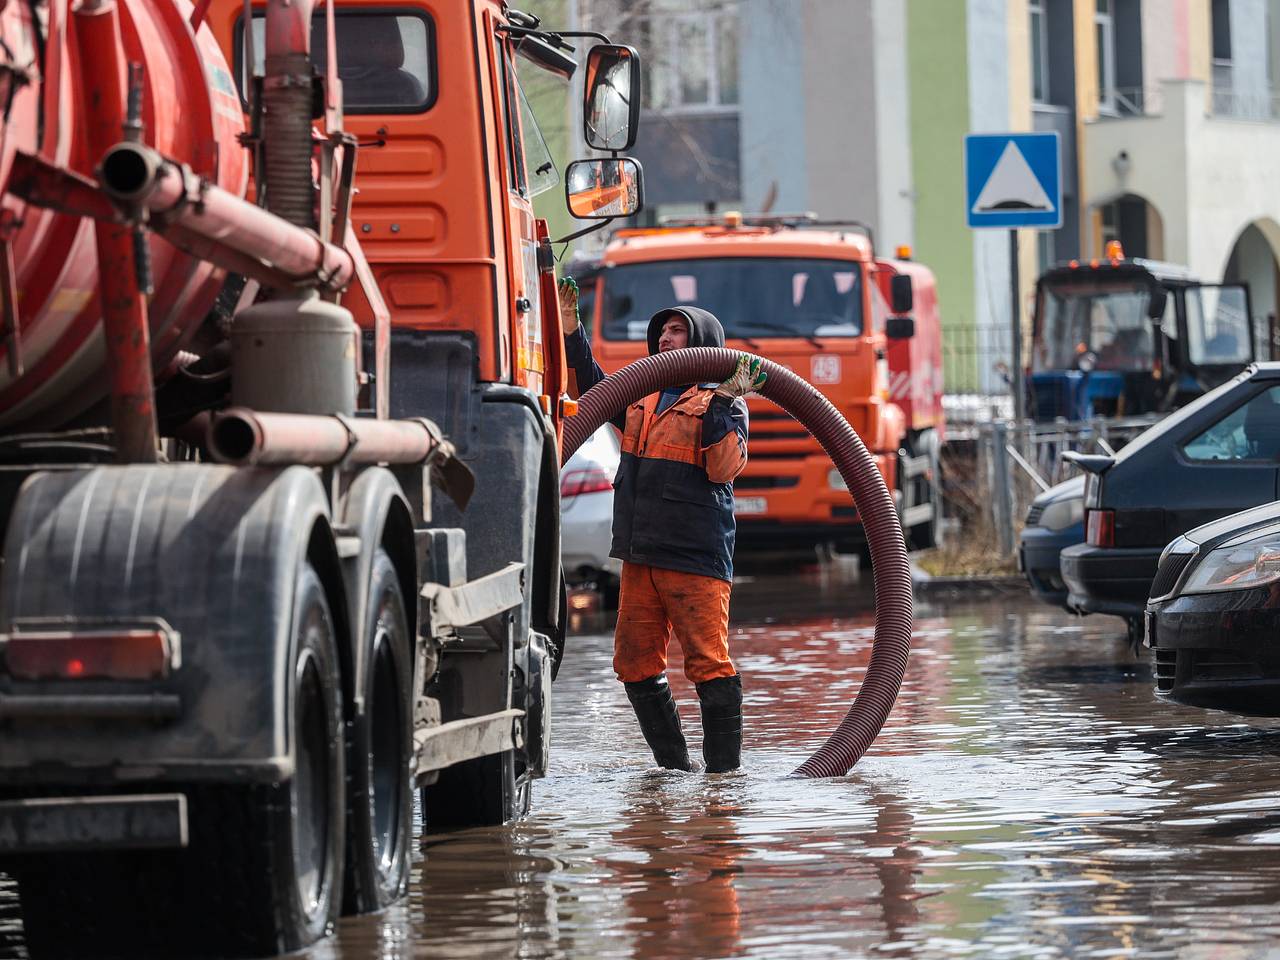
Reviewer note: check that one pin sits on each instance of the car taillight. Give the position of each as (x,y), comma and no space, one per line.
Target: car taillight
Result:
(1100,528)
(91,655)
(577,482)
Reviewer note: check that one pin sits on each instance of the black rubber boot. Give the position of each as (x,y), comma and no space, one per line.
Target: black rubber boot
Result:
(721,723)
(659,721)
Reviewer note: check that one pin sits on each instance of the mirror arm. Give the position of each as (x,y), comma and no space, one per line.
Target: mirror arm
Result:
(520,32)
(596,225)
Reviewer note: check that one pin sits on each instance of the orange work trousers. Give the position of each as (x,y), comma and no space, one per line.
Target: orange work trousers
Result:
(652,604)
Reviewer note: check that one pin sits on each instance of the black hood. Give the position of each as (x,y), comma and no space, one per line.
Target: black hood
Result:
(704,328)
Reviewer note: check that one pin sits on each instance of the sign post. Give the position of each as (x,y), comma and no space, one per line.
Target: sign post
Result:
(1013,180)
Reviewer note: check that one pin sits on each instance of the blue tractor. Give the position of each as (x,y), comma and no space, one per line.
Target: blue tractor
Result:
(1120,337)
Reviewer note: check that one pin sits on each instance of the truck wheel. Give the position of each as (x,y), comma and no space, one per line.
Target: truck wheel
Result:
(306,836)
(379,819)
(484,792)
(263,871)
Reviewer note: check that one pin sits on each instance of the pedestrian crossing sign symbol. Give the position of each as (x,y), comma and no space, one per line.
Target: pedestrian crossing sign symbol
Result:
(1012,180)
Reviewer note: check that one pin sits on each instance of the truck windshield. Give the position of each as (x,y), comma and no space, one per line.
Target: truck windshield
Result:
(754,298)
(1108,320)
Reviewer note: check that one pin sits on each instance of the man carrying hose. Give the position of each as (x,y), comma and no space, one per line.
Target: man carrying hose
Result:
(673,530)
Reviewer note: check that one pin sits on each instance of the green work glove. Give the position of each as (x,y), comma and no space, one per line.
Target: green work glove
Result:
(747,377)
(567,288)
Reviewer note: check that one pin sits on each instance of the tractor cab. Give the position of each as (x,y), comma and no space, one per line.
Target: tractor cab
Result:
(1130,337)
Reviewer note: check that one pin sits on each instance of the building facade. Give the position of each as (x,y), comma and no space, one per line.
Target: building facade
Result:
(1166,110)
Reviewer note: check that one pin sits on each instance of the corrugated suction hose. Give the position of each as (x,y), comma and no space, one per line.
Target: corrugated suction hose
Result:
(891,575)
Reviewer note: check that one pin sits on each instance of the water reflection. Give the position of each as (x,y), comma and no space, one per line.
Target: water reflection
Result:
(1029,798)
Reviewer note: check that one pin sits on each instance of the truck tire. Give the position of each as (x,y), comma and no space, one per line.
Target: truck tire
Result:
(380,807)
(484,792)
(255,879)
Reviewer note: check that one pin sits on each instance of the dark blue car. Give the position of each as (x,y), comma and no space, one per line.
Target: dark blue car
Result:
(1054,522)
(1212,458)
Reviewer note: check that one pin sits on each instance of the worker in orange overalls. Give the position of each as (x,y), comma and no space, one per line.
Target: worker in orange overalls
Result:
(673,530)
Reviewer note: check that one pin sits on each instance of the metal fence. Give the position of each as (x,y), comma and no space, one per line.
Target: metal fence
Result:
(1013,465)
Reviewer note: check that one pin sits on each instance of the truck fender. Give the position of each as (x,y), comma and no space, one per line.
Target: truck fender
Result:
(374,513)
(214,551)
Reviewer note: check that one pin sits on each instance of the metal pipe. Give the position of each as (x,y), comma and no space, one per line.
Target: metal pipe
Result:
(178,197)
(124,306)
(245,437)
(287,91)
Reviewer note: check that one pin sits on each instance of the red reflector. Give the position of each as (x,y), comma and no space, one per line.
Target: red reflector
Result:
(1100,528)
(576,482)
(124,655)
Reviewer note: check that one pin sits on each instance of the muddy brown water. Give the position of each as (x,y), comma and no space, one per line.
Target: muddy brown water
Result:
(1030,797)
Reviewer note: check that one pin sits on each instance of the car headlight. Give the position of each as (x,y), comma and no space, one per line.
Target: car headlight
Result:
(1062,514)
(1237,565)
(835,481)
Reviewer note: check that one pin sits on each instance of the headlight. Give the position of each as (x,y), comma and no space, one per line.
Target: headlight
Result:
(1062,514)
(835,481)
(1238,565)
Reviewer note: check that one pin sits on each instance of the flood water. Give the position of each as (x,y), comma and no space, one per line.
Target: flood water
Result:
(1029,798)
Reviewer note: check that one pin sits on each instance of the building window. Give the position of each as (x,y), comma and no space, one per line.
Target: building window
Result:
(1104,29)
(1039,29)
(1044,250)
(695,58)
(1221,29)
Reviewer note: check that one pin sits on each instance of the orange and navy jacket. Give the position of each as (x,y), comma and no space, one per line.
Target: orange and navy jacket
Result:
(681,450)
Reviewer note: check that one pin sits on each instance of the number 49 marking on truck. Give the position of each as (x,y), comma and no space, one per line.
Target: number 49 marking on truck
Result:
(824,368)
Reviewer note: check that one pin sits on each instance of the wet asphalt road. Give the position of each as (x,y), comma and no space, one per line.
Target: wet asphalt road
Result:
(1030,797)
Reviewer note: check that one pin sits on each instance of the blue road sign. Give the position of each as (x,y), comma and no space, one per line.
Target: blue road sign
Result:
(1012,180)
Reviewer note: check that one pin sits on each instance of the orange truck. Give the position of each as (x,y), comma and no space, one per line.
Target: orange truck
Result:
(270,275)
(813,296)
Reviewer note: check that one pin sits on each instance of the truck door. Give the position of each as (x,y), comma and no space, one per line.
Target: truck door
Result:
(530,172)
(1220,335)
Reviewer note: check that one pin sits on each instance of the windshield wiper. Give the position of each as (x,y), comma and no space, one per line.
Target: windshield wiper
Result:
(783,329)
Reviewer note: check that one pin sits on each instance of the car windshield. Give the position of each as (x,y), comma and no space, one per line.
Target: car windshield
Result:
(1238,385)
(1108,320)
(753,297)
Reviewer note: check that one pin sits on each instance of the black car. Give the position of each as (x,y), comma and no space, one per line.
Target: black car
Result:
(1054,522)
(1212,458)
(1214,616)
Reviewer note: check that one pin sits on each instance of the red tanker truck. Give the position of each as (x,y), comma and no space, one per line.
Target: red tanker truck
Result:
(279,447)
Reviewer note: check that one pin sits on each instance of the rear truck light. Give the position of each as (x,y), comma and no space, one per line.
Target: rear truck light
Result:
(1100,528)
(107,654)
(577,482)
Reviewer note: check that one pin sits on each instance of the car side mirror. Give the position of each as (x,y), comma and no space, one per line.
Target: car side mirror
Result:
(604,189)
(611,97)
(1159,297)
(900,328)
(902,293)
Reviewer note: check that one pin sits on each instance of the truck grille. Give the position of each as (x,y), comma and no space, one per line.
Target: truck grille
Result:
(1168,573)
(765,483)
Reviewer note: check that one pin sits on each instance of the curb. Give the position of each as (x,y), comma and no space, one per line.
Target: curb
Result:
(926,583)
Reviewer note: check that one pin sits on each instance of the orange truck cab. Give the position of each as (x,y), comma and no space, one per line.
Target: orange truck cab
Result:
(813,297)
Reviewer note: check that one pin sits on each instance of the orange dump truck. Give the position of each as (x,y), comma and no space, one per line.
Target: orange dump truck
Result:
(812,296)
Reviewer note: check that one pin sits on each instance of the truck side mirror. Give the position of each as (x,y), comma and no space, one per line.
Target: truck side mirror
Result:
(604,189)
(900,328)
(902,294)
(611,97)
(1159,296)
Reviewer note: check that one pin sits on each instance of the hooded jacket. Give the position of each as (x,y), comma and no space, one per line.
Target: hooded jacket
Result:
(681,450)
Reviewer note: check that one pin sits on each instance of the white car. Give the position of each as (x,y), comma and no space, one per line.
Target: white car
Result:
(586,512)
